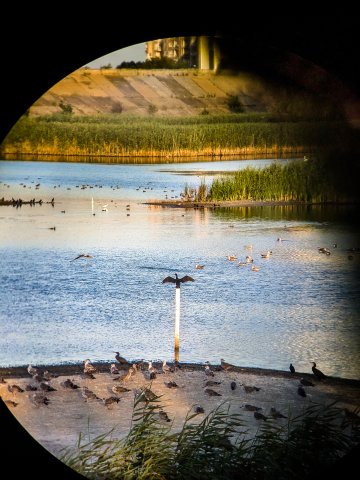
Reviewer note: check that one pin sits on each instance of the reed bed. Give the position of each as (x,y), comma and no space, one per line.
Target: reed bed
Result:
(218,446)
(119,136)
(317,180)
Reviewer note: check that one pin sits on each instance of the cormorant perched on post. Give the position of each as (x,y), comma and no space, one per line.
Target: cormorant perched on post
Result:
(318,373)
(292,368)
(178,280)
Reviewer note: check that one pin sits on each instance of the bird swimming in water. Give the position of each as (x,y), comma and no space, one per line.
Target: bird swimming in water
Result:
(121,360)
(82,255)
(318,373)
(199,267)
(178,280)
(88,367)
(292,368)
(231,258)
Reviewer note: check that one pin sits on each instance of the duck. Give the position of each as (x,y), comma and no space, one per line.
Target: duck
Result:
(231,258)
(199,267)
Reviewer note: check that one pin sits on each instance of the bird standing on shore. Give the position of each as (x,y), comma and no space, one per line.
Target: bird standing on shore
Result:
(208,371)
(292,368)
(123,362)
(113,369)
(226,366)
(88,394)
(32,370)
(259,416)
(301,391)
(88,367)
(318,373)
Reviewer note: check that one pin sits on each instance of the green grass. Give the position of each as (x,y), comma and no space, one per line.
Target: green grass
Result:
(118,135)
(317,180)
(218,446)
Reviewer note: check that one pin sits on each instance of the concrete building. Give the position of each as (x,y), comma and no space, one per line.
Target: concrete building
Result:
(194,52)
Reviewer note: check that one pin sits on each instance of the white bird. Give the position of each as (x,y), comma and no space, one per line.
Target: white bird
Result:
(32,370)
(88,367)
(199,267)
(113,369)
(208,372)
(104,208)
(267,254)
(165,367)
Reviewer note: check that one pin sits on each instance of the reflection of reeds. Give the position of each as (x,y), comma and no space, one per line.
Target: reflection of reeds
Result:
(120,136)
(219,446)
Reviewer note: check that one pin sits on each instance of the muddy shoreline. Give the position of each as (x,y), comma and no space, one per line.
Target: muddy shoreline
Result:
(104,367)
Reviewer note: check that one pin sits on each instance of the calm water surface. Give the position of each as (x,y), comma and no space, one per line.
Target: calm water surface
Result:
(301,306)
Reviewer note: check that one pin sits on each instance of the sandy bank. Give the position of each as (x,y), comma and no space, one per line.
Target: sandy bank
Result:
(58,424)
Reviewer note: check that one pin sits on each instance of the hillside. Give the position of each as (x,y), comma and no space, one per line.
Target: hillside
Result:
(144,92)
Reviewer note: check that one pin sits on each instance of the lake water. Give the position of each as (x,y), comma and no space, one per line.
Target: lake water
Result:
(301,306)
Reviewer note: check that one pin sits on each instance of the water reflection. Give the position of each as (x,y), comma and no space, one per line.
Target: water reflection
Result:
(301,305)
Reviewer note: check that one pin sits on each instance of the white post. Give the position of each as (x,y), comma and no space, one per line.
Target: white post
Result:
(177,323)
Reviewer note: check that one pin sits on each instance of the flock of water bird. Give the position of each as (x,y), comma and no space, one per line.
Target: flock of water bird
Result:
(123,371)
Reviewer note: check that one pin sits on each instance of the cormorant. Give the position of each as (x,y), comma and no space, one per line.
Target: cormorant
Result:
(121,360)
(292,368)
(233,385)
(318,373)
(178,280)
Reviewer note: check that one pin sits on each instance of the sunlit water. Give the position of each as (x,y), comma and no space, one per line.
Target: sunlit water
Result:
(301,306)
